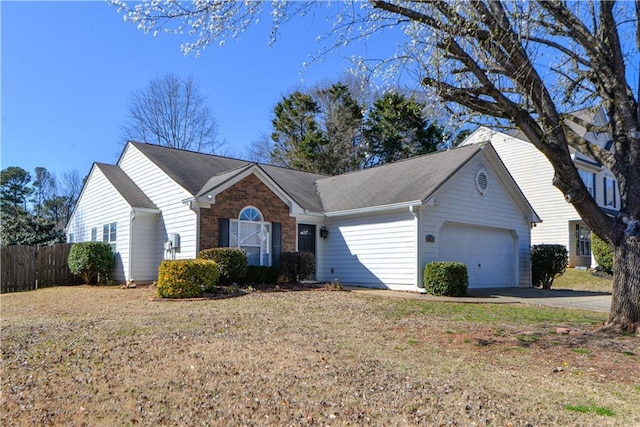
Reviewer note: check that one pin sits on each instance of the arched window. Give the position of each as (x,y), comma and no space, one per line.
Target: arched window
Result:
(251,233)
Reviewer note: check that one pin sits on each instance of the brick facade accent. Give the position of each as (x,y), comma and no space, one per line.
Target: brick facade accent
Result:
(250,191)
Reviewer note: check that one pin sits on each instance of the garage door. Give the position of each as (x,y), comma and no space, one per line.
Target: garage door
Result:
(489,254)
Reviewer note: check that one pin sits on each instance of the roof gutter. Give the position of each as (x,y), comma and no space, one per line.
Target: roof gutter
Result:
(372,209)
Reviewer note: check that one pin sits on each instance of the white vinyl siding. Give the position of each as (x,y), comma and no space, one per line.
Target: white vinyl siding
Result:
(144,256)
(534,175)
(458,201)
(374,251)
(101,204)
(169,197)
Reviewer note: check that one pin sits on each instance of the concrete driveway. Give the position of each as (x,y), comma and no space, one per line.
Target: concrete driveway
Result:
(586,300)
(594,301)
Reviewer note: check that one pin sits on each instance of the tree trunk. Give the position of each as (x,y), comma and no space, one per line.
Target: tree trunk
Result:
(625,304)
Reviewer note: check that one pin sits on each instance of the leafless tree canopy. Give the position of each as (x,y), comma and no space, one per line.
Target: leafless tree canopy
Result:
(171,111)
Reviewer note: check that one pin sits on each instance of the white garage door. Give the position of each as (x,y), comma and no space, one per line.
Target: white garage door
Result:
(489,254)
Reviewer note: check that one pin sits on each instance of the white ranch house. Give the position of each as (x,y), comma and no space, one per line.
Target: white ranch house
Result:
(377,227)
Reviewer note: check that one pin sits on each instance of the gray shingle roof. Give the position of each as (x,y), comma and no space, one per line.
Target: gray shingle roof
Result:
(221,178)
(126,187)
(189,169)
(400,182)
(404,181)
(198,173)
(299,185)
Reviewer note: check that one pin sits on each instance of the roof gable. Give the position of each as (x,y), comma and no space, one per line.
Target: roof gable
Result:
(189,169)
(408,181)
(199,173)
(129,191)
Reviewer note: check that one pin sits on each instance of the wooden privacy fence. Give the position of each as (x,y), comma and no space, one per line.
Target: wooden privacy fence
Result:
(24,268)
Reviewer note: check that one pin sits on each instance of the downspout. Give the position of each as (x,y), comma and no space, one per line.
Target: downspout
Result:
(414,212)
(195,207)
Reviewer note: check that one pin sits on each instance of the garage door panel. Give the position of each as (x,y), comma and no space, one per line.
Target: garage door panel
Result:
(488,253)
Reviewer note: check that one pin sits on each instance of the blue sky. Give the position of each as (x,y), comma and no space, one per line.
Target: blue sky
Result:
(68,69)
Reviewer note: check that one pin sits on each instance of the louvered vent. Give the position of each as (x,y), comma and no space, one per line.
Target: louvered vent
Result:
(482,180)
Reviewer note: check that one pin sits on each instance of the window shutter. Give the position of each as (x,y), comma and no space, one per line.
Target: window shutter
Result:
(223,232)
(604,188)
(276,243)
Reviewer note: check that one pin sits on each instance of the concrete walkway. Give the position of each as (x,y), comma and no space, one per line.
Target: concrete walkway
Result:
(594,301)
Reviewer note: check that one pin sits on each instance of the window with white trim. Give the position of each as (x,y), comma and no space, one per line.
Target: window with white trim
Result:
(589,181)
(610,193)
(109,235)
(94,234)
(251,233)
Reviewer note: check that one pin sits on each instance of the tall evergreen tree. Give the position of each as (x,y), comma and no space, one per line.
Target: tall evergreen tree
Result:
(296,134)
(397,129)
(341,118)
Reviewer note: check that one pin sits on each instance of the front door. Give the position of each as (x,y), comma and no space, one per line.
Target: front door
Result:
(307,238)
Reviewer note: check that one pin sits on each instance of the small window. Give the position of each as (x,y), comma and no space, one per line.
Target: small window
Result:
(94,234)
(610,193)
(109,235)
(589,179)
(71,238)
(482,180)
(583,241)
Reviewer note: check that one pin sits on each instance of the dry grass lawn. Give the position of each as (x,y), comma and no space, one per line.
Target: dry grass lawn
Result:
(107,356)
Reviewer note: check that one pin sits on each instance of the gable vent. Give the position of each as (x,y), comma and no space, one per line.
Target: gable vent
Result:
(482,180)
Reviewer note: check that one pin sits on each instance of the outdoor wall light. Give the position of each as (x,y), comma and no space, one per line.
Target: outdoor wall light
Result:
(324,233)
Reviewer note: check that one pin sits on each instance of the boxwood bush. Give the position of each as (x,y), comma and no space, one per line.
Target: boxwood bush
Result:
(90,259)
(446,278)
(261,275)
(547,262)
(186,278)
(602,253)
(232,263)
(297,266)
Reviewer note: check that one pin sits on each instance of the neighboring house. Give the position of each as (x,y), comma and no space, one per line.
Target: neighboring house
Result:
(377,227)
(534,174)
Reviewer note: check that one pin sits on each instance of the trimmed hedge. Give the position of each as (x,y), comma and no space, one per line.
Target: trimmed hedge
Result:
(297,266)
(602,253)
(186,278)
(89,259)
(547,262)
(446,278)
(232,263)
(261,275)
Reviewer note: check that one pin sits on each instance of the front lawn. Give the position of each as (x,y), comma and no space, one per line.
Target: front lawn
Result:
(584,280)
(111,356)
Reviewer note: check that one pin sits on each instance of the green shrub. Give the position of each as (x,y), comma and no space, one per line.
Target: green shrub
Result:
(446,278)
(547,262)
(232,263)
(88,259)
(261,275)
(297,266)
(602,253)
(186,278)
